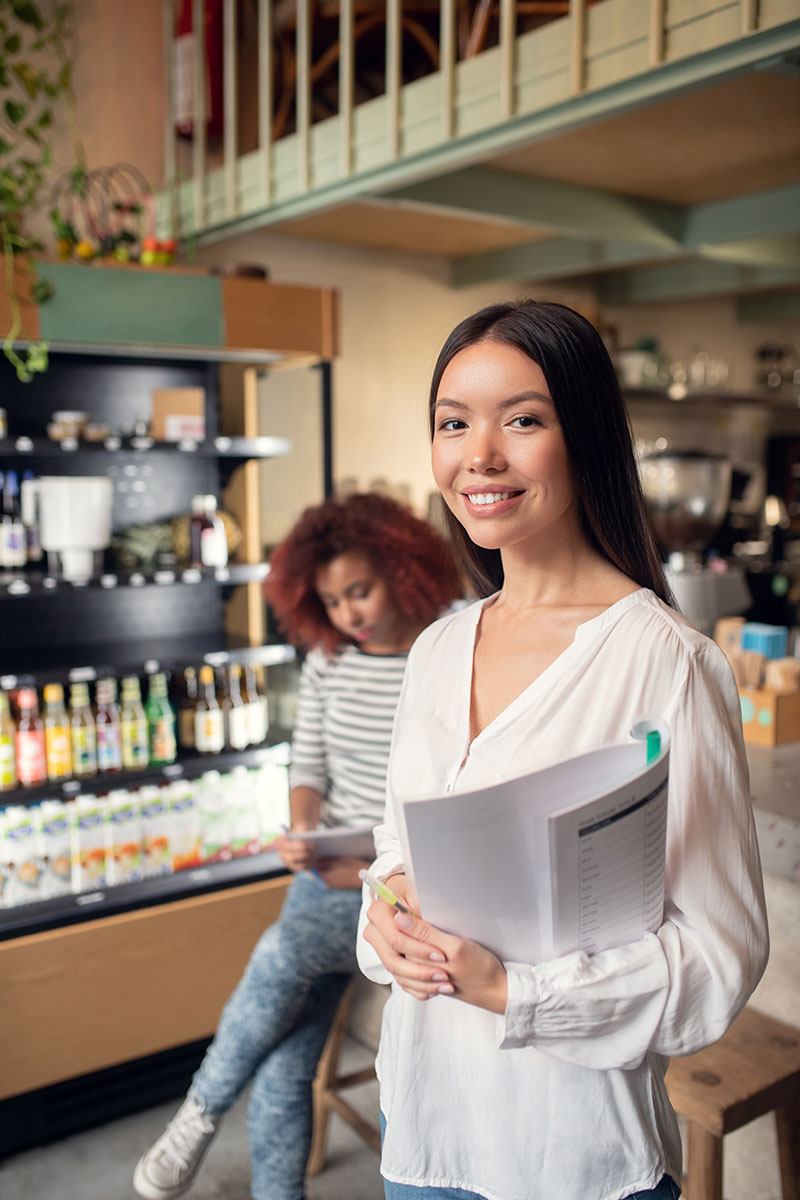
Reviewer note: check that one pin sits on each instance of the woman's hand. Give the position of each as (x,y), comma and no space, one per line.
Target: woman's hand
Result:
(297,856)
(427,962)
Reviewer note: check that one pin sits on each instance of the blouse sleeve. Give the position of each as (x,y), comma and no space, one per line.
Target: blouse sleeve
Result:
(309,766)
(679,989)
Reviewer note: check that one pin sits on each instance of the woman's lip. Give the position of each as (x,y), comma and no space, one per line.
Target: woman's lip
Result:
(490,510)
(362,635)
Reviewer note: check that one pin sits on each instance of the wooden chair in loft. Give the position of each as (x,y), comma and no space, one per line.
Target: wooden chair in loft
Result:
(477,22)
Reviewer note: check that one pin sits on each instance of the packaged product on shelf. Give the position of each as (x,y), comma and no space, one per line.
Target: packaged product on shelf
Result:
(108,728)
(216,826)
(186,709)
(30,741)
(22,864)
(82,731)
(123,837)
(155,814)
(241,803)
(185,837)
(272,791)
(3,859)
(88,844)
(58,746)
(252,707)
(209,722)
(12,531)
(29,498)
(8,759)
(234,710)
(160,722)
(52,821)
(135,740)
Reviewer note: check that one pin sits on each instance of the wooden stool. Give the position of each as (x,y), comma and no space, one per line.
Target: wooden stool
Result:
(752,1070)
(329,1083)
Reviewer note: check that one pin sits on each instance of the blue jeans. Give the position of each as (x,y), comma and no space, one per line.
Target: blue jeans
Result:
(273,1029)
(666,1189)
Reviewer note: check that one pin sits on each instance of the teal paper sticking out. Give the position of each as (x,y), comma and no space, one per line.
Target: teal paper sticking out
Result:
(653,744)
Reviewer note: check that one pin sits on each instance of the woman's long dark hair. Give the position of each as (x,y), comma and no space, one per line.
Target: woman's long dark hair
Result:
(597,434)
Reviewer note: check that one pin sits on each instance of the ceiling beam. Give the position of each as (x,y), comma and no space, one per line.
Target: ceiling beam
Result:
(692,280)
(554,258)
(544,204)
(773,213)
(769,306)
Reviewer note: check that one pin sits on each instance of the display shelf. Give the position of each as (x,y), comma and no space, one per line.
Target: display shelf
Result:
(188,765)
(157,889)
(219,447)
(36,582)
(75,663)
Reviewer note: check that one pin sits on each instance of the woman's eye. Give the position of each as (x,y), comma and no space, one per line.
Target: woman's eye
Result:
(525,421)
(451,424)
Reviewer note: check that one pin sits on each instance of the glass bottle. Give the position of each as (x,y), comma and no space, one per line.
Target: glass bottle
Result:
(186,709)
(209,724)
(207,540)
(108,728)
(29,505)
(30,744)
(236,731)
(135,742)
(252,705)
(160,722)
(8,761)
(84,733)
(58,742)
(12,531)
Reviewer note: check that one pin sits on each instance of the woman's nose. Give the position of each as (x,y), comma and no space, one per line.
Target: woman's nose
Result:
(483,451)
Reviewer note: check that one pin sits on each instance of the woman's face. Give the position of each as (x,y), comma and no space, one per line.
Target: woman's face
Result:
(499,457)
(359,605)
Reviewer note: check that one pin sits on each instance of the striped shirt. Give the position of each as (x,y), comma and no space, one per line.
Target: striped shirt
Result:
(341,740)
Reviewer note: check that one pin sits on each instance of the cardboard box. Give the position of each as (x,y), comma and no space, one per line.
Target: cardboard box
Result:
(770,717)
(178,413)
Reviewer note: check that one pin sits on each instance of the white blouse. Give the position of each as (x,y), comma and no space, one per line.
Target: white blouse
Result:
(563,1097)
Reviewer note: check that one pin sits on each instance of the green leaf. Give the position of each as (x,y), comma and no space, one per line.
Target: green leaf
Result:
(15,112)
(42,290)
(45,119)
(29,78)
(13,44)
(28,13)
(5,146)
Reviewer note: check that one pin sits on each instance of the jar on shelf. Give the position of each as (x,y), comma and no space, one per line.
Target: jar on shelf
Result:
(207,540)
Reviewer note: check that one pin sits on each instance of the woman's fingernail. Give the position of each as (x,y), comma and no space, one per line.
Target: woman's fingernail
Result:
(403,921)
(435,956)
(445,989)
(440,977)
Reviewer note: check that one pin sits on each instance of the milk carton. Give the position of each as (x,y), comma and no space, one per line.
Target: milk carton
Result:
(154,809)
(123,837)
(216,824)
(271,786)
(52,819)
(241,804)
(3,862)
(88,844)
(185,836)
(23,865)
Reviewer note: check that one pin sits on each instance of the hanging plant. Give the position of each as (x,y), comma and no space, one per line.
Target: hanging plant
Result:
(35,71)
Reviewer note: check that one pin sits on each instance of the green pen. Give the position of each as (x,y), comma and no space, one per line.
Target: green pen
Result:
(384,893)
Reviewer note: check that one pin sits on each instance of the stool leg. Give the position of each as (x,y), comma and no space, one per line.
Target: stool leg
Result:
(325,1080)
(703,1164)
(787,1127)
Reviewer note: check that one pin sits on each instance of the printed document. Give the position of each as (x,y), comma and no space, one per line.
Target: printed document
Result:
(339,841)
(567,858)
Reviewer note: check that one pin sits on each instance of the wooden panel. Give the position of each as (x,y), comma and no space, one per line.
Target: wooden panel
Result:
(410,230)
(747,140)
(29,313)
(276,316)
(119,305)
(89,996)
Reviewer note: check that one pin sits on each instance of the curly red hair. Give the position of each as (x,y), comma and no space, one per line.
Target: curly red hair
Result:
(416,564)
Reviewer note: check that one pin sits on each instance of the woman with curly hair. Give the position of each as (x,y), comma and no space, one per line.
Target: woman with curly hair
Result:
(355,582)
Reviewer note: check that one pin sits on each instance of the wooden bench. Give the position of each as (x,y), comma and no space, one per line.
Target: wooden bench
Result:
(754,1069)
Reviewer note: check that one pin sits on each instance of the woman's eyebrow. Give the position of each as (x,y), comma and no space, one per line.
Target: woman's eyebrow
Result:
(509,402)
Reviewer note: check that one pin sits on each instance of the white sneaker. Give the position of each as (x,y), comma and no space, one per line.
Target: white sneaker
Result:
(170,1165)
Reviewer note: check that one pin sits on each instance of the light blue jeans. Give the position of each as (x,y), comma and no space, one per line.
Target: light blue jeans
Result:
(273,1029)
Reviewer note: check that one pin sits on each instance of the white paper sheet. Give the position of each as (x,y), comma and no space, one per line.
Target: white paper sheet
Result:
(339,841)
(571,857)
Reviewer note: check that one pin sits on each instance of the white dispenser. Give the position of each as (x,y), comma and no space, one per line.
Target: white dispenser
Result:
(75,514)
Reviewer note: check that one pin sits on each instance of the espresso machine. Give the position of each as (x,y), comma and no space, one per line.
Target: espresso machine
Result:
(688,493)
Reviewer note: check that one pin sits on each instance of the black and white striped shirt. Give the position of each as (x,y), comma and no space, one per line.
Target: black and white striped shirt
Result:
(343,732)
